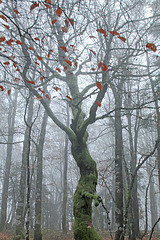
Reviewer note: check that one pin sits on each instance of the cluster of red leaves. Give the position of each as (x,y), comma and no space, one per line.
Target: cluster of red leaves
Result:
(101,30)
(101,65)
(115,33)
(151,46)
(2,89)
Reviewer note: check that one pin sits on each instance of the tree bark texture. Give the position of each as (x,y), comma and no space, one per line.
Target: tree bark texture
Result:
(118,167)
(64,204)
(11,123)
(21,205)
(38,203)
(156,98)
(84,194)
(134,201)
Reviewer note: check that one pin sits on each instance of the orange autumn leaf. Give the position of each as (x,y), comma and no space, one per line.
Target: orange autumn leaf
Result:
(47,96)
(9,92)
(92,52)
(68,62)
(39,98)
(92,36)
(5,26)
(16,11)
(54,21)
(98,103)
(64,29)
(31,48)
(1,88)
(151,46)
(31,82)
(13,57)
(66,22)
(0,1)
(104,67)
(18,70)
(3,17)
(57,89)
(2,39)
(58,12)
(48,1)
(99,85)
(65,69)
(37,39)
(6,63)
(33,6)
(15,64)
(93,69)
(41,90)
(41,78)
(9,42)
(39,58)
(122,38)
(19,42)
(42,70)
(71,20)
(42,39)
(48,55)
(69,98)
(59,70)
(102,31)
(63,48)
(100,64)
(114,33)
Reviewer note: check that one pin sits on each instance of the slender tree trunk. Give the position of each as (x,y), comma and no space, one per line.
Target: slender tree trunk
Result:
(28,188)
(11,123)
(134,202)
(156,98)
(20,211)
(64,204)
(113,227)
(38,204)
(153,204)
(65,169)
(118,166)
(84,194)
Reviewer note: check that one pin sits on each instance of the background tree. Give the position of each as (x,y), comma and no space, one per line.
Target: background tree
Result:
(11,126)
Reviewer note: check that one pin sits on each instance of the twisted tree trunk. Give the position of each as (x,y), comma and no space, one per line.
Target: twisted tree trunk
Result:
(84,194)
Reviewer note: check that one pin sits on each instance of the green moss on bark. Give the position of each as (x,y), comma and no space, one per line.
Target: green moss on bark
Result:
(83,197)
(20,234)
(85,192)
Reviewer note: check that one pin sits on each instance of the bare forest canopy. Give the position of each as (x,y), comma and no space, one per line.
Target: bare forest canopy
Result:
(80,119)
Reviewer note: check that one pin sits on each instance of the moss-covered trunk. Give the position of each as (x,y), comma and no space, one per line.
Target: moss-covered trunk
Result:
(84,193)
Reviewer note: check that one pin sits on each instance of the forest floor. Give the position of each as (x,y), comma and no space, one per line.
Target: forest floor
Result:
(57,235)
